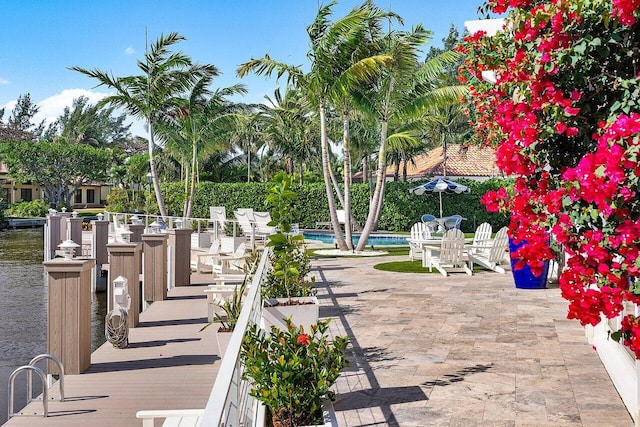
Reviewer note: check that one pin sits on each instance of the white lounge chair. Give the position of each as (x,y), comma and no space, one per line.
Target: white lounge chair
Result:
(262,219)
(450,255)
(218,216)
(419,231)
(341,220)
(247,225)
(493,256)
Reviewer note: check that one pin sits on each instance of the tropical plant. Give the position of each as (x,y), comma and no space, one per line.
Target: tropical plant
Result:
(565,115)
(405,91)
(329,74)
(290,263)
(33,208)
(149,96)
(232,306)
(292,371)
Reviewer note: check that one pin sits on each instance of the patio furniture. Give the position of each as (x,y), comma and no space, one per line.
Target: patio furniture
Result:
(431,221)
(204,261)
(232,264)
(419,232)
(246,222)
(341,220)
(482,238)
(452,222)
(262,220)
(491,257)
(449,256)
(218,216)
(172,417)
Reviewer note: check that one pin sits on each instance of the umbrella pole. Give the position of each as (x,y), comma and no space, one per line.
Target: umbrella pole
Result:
(440,194)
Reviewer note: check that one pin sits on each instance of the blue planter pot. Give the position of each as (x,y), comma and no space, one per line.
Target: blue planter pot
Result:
(524,278)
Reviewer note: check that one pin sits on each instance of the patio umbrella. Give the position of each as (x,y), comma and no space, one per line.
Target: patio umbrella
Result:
(440,185)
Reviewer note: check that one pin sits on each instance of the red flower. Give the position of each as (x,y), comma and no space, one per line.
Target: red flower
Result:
(304,339)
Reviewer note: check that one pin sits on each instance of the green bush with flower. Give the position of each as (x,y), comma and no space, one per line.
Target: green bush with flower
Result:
(292,371)
(564,114)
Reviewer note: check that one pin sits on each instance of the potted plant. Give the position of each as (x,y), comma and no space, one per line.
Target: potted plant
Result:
(286,292)
(291,371)
(231,307)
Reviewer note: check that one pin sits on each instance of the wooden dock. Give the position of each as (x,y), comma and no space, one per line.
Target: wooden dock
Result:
(170,364)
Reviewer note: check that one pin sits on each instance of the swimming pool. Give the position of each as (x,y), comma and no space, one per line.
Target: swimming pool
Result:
(372,240)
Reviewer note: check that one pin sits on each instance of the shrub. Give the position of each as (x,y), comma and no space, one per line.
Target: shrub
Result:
(34,208)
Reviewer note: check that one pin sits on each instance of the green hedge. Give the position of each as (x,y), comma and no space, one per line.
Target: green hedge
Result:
(401,208)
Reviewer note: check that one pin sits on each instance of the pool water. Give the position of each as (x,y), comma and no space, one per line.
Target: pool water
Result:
(372,240)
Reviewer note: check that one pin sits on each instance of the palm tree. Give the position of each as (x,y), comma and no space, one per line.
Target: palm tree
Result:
(288,127)
(405,89)
(327,75)
(150,96)
(199,125)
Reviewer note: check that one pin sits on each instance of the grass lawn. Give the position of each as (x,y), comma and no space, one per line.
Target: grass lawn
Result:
(412,267)
(391,251)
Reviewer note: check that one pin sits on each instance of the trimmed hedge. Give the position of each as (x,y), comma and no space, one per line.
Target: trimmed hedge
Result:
(401,209)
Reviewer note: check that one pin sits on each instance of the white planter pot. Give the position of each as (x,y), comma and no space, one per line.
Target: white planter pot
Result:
(301,314)
(223,339)
(328,415)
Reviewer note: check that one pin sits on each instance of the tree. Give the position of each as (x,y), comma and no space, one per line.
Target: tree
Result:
(405,90)
(59,167)
(327,75)
(149,96)
(89,124)
(22,115)
(199,125)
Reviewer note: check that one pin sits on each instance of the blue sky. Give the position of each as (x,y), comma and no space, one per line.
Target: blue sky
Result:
(41,39)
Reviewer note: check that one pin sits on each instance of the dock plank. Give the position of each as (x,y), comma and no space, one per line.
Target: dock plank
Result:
(170,364)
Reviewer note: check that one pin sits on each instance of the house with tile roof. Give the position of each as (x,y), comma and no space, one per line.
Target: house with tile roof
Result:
(478,163)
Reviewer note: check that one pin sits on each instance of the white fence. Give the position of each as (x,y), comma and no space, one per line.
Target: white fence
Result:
(229,402)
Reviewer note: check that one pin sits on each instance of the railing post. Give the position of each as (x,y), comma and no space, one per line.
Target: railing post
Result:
(69,312)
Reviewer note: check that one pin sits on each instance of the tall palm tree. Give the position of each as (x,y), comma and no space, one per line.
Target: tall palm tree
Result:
(200,124)
(405,89)
(165,75)
(326,76)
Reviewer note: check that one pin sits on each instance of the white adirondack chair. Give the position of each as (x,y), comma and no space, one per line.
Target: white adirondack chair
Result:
(230,264)
(419,231)
(450,256)
(172,417)
(494,256)
(204,261)
(482,239)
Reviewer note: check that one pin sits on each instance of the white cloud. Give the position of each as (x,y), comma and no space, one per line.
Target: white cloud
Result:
(129,51)
(52,107)
(4,81)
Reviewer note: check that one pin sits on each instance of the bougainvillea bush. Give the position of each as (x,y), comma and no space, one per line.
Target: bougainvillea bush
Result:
(564,115)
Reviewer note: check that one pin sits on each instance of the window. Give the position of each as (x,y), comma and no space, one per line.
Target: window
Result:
(91,198)
(26,194)
(77,196)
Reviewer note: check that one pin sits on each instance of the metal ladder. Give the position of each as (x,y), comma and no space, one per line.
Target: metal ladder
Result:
(46,380)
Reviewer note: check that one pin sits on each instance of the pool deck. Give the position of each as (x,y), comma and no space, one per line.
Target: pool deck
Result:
(460,351)
(425,351)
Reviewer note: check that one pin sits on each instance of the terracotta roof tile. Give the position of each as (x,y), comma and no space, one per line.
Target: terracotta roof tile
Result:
(462,161)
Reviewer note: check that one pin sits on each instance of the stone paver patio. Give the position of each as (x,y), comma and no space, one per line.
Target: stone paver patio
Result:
(460,351)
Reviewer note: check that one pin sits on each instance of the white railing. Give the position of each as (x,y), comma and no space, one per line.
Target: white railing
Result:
(229,403)
(202,223)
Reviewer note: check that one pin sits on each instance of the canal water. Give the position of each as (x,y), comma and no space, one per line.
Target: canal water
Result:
(23,311)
